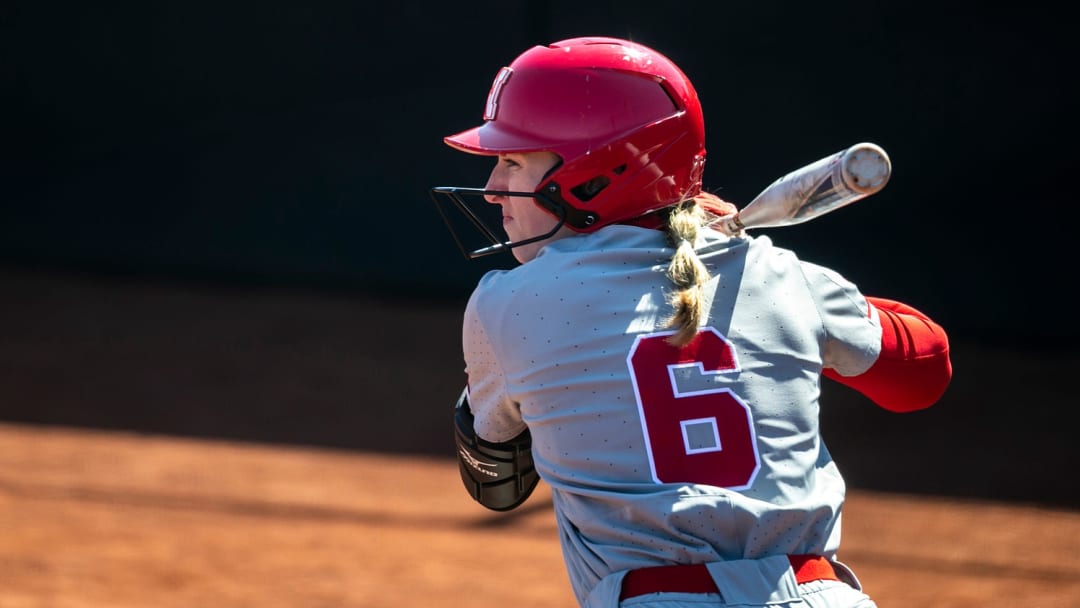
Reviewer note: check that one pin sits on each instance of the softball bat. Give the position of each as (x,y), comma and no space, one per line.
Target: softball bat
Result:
(820,187)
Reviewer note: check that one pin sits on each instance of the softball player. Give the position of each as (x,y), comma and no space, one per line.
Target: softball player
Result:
(662,377)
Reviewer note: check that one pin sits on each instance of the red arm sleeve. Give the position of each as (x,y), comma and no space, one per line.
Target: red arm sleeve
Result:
(913,369)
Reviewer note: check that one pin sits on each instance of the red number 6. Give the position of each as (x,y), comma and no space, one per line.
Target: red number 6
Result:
(694,435)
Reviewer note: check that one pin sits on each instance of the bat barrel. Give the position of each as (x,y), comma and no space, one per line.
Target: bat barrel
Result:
(815,189)
(866,168)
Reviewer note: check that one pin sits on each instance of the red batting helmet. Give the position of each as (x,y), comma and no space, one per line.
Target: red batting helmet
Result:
(624,119)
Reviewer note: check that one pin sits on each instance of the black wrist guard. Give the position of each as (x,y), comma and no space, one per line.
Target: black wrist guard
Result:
(499,476)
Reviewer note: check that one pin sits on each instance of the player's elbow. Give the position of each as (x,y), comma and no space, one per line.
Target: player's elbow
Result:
(922,390)
(913,369)
(902,385)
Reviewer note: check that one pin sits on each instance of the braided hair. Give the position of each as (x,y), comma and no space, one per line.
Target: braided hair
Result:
(686,270)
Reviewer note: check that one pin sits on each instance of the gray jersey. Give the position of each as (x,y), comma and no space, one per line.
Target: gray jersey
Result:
(656,455)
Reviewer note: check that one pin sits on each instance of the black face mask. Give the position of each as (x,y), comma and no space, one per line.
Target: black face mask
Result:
(482,216)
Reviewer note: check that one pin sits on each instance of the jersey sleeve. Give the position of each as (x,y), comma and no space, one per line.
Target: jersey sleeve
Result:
(913,369)
(852,328)
(497,416)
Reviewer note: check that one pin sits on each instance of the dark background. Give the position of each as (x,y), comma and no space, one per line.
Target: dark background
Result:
(214,217)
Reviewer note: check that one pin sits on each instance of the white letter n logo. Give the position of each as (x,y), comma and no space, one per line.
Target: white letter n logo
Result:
(492,106)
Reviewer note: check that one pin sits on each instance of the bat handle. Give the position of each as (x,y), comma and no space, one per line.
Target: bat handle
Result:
(814,190)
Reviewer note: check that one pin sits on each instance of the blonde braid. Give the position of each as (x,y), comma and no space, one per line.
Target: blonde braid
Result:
(687,273)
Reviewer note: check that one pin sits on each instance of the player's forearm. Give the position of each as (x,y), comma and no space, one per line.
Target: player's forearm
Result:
(913,369)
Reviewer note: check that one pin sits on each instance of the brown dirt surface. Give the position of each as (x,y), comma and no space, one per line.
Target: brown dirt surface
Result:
(187,447)
(108,519)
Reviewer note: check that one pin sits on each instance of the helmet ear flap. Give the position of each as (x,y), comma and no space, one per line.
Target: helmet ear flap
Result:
(586,191)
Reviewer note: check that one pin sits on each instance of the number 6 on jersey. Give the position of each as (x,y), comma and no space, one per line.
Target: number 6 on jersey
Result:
(697,433)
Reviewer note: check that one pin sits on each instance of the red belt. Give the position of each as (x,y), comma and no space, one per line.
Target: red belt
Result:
(696,578)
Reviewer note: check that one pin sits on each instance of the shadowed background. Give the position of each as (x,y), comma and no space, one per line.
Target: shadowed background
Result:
(214,218)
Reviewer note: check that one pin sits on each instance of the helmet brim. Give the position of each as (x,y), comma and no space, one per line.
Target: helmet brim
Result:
(491,139)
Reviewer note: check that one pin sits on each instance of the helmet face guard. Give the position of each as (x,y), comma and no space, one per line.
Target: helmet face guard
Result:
(547,197)
(444,195)
(624,120)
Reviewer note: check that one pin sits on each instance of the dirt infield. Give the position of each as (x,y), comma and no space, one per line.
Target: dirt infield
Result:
(118,520)
(179,445)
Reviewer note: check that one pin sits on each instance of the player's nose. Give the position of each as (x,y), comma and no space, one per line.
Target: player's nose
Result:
(495,183)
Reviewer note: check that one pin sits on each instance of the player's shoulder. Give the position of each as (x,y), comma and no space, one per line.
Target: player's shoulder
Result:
(762,248)
(499,287)
(769,258)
